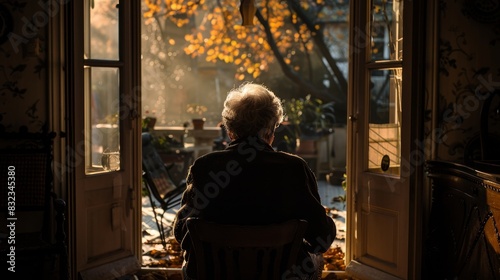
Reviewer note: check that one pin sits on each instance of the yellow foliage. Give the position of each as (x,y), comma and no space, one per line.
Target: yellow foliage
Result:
(219,36)
(175,6)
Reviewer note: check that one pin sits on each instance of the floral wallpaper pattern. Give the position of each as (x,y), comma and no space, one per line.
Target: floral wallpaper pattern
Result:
(469,72)
(23,78)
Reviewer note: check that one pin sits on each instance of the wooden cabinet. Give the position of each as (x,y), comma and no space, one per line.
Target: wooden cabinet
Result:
(464,240)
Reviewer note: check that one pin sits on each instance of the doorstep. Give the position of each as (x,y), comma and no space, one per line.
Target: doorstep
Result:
(157,272)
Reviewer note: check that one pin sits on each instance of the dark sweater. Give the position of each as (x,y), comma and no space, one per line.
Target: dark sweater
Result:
(249,183)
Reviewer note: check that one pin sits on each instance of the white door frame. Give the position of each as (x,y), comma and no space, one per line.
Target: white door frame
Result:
(410,182)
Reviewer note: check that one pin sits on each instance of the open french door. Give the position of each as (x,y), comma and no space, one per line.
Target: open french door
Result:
(382,136)
(104,137)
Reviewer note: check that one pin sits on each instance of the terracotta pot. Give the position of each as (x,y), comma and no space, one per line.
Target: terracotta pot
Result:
(198,123)
(306,146)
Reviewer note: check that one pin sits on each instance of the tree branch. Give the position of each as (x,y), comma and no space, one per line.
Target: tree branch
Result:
(319,41)
(291,74)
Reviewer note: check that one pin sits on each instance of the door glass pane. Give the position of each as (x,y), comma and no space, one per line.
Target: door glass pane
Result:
(102,29)
(102,134)
(386,24)
(384,144)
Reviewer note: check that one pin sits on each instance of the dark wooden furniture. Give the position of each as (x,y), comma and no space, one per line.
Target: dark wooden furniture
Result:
(178,162)
(489,134)
(464,240)
(245,252)
(35,239)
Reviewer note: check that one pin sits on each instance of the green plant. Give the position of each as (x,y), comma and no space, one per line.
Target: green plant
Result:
(344,182)
(148,124)
(166,144)
(310,117)
(342,198)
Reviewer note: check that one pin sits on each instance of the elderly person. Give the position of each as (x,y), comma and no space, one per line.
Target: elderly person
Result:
(256,184)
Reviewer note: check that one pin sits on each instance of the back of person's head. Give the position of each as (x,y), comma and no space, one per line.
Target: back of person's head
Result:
(251,110)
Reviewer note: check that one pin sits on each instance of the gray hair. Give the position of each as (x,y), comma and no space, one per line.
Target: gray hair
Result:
(252,109)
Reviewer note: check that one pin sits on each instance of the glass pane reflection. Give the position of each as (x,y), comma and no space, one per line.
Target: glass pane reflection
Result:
(386,24)
(102,119)
(384,145)
(103,29)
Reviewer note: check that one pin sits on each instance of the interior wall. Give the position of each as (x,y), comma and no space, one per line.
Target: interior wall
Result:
(23,67)
(468,71)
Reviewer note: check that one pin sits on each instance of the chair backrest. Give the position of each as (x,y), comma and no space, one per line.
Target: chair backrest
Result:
(245,252)
(155,172)
(29,200)
(25,159)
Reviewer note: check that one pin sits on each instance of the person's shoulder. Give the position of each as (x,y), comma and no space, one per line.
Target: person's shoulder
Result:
(211,155)
(292,162)
(290,157)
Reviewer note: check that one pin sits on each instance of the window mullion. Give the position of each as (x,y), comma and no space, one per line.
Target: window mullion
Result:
(102,63)
(384,64)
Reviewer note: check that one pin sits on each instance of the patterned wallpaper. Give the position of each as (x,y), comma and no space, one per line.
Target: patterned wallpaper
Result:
(469,72)
(23,67)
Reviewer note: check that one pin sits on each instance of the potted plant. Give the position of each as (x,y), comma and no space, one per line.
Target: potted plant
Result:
(197,110)
(148,123)
(310,119)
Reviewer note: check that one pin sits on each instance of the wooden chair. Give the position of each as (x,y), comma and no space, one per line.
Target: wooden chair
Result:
(29,204)
(245,252)
(161,189)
